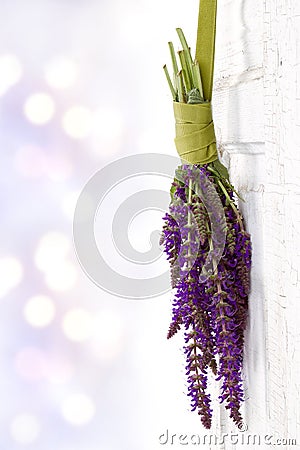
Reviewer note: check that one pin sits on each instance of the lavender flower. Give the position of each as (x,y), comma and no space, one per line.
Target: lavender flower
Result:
(213,310)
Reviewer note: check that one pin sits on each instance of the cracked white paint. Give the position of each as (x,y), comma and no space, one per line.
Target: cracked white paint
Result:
(256,111)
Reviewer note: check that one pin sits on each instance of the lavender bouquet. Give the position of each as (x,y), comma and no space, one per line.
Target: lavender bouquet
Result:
(204,237)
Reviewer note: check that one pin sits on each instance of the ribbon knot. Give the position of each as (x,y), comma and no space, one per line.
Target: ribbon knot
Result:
(195,134)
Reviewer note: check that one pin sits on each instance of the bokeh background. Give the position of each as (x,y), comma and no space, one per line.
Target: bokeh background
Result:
(81,85)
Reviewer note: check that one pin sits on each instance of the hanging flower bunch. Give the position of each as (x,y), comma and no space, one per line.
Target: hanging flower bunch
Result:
(209,252)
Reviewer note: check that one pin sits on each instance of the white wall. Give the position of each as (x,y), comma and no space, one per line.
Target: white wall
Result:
(256,99)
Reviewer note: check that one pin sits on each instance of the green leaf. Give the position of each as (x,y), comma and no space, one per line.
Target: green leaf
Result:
(220,168)
(172,192)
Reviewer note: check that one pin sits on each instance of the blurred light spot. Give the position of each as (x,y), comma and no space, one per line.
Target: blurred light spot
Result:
(68,203)
(33,364)
(30,363)
(108,130)
(77,122)
(39,311)
(108,335)
(30,161)
(10,72)
(50,258)
(25,429)
(78,409)
(61,277)
(59,168)
(61,73)
(11,274)
(52,248)
(59,370)
(78,325)
(39,108)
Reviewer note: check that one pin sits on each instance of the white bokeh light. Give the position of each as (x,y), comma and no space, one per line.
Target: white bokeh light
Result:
(39,108)
(78,325)
(25,429)
(78,409)
(77,122)
(52,248)
(33,364)
(61,277)
(61,73)
(10,72)
(32,161)
(11,274)
(51,258)
(39,311)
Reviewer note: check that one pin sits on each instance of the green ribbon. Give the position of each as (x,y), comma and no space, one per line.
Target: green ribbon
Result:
(195,136)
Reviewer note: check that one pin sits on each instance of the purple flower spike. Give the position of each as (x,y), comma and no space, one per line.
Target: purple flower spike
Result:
(211,307)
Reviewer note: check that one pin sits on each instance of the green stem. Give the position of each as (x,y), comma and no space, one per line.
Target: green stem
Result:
(231,204)
(189,221)
(174,95)
(211,246)
(180,83)
(173,57)
(197,77)
(213,171)
(219,175)
(187,81)
(187,55)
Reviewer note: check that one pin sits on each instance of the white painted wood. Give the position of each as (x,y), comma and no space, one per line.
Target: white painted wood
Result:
(256,110)
(281,197)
